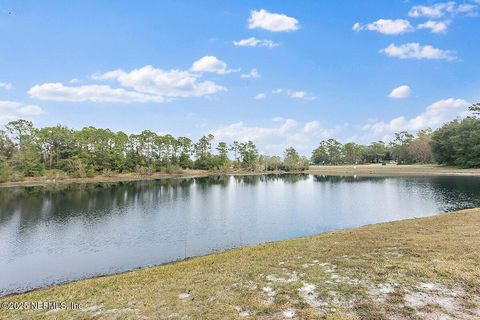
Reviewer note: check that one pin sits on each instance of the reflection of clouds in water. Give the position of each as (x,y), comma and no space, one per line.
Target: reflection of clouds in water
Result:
(74,231)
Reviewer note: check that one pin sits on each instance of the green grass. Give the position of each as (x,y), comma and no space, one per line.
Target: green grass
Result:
(409,269)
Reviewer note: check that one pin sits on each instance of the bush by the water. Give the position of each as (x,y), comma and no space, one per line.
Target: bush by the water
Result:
(457,143)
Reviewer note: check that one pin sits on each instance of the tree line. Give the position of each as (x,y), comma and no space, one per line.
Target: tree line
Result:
(456,143)
(405,148)
(26,151)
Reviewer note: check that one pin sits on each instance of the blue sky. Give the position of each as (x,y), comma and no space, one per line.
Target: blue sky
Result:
(358,71)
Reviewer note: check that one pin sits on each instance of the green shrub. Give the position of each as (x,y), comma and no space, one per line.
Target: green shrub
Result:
(55,174)
(173,170)
(143,170)
(7,174)
(107,173)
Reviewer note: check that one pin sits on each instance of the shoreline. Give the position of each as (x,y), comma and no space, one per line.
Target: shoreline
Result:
(216,252)
(374,170)
(43,181)
(221,251)
(386,266)
(392,170)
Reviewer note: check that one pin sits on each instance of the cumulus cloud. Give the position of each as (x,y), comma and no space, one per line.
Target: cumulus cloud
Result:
(274,140)
(146,84)
(400,92)
(260,96)
(468,9)
(275,22)
(170,84)
(74,81)
(93,93)
(301,95)
(435,26)
(12,110)
(386,26)
(211,64)
(311,127)
(434,115)
(254,42)
(278,119)
(6,85)
(414,50)
(295,94)
(439,10)
(252,74)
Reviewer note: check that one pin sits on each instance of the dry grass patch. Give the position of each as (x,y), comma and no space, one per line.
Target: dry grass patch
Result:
(390,170)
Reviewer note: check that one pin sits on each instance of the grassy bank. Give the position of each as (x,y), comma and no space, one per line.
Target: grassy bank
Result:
(391,170)
(422,268)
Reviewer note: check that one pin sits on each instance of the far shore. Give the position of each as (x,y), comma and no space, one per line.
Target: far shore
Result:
(45,181)
(392,170)
(340,170)
(125,177)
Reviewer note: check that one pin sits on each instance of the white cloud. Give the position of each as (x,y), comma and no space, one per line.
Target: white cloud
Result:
(400,92)
(435,26)
(301,95)
(252,74)
(6,85)
(311,127)
(386,26)
(254,42)
(210,64)
(468,9)
(93,93)
(274,140)
(357,26)
(74,81)
(146,84)
(433,116)
(12,110)
(278,119)
(169,84)
(275,22)
(439,10)
(30,110)
(295,94)
(260,96)
(414,50)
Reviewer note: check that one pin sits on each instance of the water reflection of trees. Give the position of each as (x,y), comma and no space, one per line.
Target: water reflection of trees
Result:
(62,202)
(33,205)
(337,179)
(453,193)
(220,180)
(257,178)
(65,201)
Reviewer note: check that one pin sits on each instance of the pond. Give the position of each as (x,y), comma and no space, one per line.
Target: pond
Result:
(52,235)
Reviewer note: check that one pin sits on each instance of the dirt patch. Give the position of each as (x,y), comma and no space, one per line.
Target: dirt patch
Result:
(437,301)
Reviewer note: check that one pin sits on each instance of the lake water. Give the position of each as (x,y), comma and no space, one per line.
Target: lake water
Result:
(48,236)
